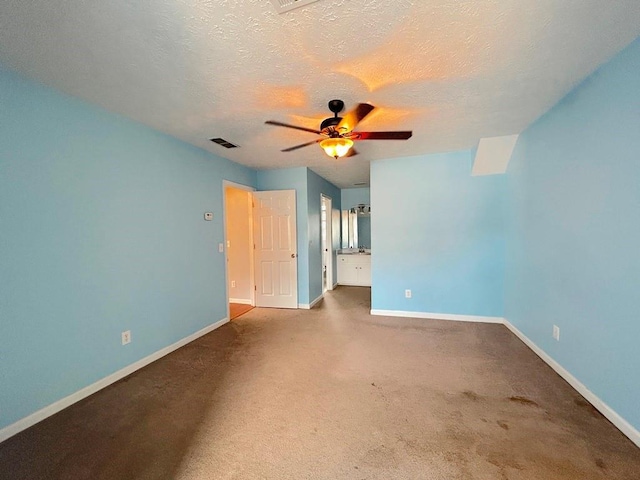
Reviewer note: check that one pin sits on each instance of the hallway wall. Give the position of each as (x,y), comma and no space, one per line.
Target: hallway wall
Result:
(317,186)
(239,244)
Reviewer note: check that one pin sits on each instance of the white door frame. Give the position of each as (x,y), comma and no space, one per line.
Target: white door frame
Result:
(328,237)
(239,186)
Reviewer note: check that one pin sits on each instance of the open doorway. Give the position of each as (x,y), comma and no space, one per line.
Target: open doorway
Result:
(326,243)
(261,248)
(239,248)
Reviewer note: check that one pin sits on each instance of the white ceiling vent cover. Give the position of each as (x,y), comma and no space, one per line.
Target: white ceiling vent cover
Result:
(286,5)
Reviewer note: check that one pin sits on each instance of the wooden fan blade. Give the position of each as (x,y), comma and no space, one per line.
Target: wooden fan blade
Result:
(280,124)
(399,135)
(302,145)
(353,117)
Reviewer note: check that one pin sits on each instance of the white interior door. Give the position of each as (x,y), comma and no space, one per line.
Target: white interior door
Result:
(326,242)
(276,259)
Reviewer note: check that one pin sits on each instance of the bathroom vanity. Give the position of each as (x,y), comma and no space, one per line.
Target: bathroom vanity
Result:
(354,260)
(354,269)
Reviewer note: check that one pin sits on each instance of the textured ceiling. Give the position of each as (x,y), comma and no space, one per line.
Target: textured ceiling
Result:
(453,71)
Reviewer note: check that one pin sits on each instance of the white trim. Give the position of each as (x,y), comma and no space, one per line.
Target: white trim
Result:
(328,240)
(309,306)
(622,425)
(65,402)
(438,316)
(249,189)
(243,301)
(239,186)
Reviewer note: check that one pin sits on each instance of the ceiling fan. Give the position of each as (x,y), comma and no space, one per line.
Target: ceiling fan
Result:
(337,132)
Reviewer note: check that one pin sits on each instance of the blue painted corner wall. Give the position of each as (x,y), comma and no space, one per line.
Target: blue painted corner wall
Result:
(574,230)
(438,232)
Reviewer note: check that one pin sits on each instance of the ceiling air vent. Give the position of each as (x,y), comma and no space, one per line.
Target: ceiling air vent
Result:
(223,142)
(286,5)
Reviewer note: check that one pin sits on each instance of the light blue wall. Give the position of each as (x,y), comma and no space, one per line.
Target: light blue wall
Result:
(355,196)
(101,231)
(316,186)
(437,231)
(294,179)
(574,232)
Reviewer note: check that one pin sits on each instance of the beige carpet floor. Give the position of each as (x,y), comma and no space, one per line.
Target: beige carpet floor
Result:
(332,393)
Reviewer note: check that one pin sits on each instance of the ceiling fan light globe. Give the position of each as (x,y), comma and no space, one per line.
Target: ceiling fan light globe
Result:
(336,147)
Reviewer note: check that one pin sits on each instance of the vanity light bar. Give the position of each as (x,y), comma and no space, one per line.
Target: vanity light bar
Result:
(361,209)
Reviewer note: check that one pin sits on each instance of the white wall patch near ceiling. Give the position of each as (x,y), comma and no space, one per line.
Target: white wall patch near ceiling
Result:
(286,5)
(493,155)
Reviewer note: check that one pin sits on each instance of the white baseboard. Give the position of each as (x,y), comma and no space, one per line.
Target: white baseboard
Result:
(308,306)
(438,316)
(63,403)
(622,425)
(243,301)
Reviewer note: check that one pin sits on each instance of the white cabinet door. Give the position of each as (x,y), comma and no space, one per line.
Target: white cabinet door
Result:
(347,274)
(364,273)
(354,270)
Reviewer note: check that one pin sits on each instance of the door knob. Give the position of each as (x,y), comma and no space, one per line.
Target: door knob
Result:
(293,255)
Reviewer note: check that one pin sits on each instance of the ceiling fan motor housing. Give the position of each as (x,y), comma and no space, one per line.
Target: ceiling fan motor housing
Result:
(336,106)
(330,122)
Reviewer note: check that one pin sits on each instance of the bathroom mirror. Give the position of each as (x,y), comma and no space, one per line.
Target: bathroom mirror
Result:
(356,227)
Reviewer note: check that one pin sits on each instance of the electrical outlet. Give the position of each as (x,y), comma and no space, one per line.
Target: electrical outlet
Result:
(233,284)
(407,294)
(126,337)
(556,332)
